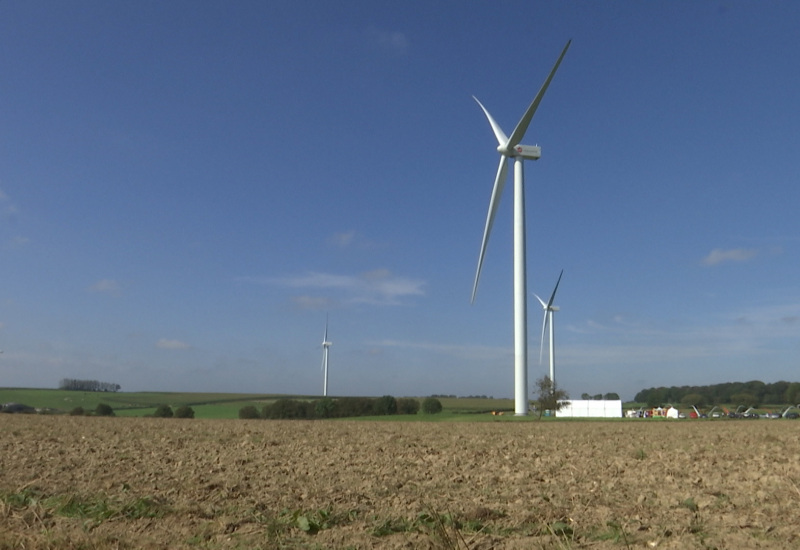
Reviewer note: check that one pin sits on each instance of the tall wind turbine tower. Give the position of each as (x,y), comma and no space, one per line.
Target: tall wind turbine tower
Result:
(326,344)
(549,308)
(510,147)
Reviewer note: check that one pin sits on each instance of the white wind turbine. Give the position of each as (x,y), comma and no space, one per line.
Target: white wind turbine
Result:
(326,344)
(549,308)
(510,147)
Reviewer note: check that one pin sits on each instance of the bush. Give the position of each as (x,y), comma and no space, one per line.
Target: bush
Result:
(103,410)
(355,406)
(163,411)
(385,405)
(325,408)
(288,408)
(184,412)
(77,411)
(406,405)
(431,405)
(248,412)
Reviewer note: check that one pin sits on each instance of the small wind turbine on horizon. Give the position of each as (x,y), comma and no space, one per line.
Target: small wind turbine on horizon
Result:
(510,147)
(326,344)
(549,308)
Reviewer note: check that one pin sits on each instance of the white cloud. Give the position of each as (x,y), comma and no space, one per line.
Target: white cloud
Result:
(394,41)
(342,239)
(164,343)
(7,206)
(106,286)
(312,302)
(718,256)
(377,287)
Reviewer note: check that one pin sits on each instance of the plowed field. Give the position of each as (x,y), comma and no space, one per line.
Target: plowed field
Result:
(85,482)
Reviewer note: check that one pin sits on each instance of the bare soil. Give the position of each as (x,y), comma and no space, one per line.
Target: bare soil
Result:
(129,483)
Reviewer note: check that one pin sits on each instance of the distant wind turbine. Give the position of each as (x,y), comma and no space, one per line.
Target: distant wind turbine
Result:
(326,344)
(510,147)
(549,308)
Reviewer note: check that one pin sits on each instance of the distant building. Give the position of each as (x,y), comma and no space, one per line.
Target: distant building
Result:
(585,408)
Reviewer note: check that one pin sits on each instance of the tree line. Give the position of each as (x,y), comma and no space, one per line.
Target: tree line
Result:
(87,385)
(750,394)
(342,407)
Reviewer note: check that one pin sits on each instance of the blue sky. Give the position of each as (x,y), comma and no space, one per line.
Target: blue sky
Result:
(187,189)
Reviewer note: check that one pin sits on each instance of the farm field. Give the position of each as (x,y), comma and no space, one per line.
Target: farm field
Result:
(205,405)
(93,482)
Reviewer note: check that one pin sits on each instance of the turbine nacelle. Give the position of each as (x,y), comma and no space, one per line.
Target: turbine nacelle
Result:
(529,152)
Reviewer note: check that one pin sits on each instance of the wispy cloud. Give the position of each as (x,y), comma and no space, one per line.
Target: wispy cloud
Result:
(718,255)
(459,351)
(342,239)
(377,287)
(7,206)
(106,286)
(393,41)
(165,343)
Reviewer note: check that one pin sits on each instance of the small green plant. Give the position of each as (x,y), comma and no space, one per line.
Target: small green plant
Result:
(690,504)
(445,529)
(640,454)
(615,533)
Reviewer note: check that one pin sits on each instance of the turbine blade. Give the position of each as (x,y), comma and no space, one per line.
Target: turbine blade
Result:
(553,295)
(522,126)
(544,327)
(498,132)
(497,191)
(540,301)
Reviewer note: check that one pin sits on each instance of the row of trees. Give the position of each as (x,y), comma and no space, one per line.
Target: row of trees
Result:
(165,411)
(751,394)
(87,385)
(342,407)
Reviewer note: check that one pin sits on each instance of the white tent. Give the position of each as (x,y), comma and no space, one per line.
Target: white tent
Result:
(590,408)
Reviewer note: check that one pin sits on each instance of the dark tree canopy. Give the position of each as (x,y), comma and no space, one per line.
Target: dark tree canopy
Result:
(549,396)
(750,393)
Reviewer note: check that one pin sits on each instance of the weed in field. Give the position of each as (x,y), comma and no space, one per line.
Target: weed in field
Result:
(615,532)
(444,529)
(690,504)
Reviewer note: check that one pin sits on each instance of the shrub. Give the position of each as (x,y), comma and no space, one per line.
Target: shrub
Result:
(248,412)
(355,406)
(77,411)
(406,405)
(431,405)
(103,410)
(288,408)
(163,411)
(385,405)
(184,411)
(325,408)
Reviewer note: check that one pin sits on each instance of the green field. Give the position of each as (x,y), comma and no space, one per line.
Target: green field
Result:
(205,405)
(214,405)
